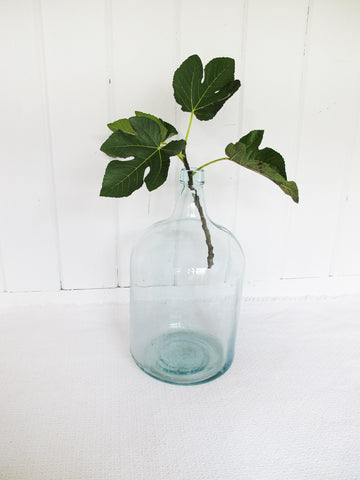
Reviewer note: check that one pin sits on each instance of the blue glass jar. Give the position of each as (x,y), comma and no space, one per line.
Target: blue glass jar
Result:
(186,280)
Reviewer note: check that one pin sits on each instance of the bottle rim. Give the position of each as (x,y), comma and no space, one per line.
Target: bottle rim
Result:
(198,176)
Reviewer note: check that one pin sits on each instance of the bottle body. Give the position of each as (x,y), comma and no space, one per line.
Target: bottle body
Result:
(186,280)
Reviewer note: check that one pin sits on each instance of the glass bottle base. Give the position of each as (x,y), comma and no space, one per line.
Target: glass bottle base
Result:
(184,357)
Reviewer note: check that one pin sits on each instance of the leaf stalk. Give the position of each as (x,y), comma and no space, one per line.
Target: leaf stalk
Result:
(213,161)
(189,126)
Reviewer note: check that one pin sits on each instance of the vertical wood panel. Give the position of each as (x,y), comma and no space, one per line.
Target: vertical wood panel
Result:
(27,212)
(214,29)
(347,246)
(274,52)
(76,60)
(328,130)
(144,46)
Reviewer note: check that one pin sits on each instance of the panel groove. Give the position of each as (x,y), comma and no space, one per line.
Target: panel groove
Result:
(109,42)
(240,110)
(173,173)
(300,123)
(302,86)
(178,53)
(47,133)
(242,65)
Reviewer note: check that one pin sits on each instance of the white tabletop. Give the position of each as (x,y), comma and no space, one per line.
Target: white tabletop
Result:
(73,406)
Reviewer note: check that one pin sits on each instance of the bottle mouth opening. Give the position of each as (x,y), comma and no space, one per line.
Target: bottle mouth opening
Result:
(197,176)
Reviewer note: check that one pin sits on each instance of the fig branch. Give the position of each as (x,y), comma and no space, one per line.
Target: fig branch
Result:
(210,256)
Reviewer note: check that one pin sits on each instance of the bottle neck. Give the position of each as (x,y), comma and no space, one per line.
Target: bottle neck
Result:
(191,202)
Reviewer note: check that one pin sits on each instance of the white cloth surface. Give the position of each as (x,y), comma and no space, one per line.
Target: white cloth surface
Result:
(73,405)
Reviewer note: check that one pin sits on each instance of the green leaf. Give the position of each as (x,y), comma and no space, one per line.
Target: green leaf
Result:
(122,178)
(166,130)
(204,98)
(123,124)
(267,161)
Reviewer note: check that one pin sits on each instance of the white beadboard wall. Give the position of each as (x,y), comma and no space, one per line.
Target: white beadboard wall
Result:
(68,68)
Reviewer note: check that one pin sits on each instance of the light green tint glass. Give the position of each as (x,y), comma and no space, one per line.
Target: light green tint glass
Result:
(184,314)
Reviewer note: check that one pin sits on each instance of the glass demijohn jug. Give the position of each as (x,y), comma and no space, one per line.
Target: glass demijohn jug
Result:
(186,280)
